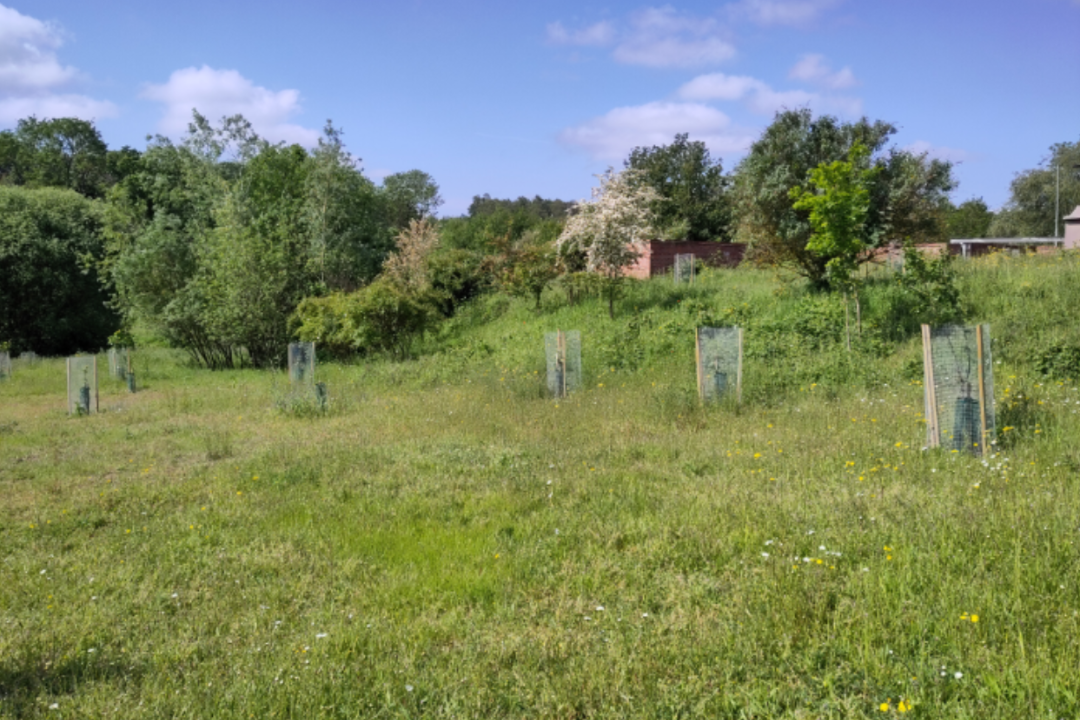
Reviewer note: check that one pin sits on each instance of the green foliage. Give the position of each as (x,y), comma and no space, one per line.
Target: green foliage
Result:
(1033,195)
(214,242)
(838,213)
(52,300)
(692,202)
(970,219)
(538,208)
(907,193)
(456,276)
(926,292)
(411,195)
(61,153)
(382,317)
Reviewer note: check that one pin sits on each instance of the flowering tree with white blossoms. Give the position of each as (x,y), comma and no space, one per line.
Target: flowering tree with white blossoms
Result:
(611,229)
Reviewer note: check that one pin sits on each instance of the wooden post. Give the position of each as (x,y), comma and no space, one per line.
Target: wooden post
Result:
(738,371)
(95,385)
(560,360)
(68,363)
(933,438)
(697,360)
(982,391)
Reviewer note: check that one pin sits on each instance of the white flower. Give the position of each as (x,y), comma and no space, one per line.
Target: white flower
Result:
(644,615)
(54,706)
(764,554)
(599,608)
(408,688)
(958,675)
(320,636)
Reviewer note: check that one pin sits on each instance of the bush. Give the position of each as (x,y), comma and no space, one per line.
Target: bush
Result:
(378,318)
(51,299)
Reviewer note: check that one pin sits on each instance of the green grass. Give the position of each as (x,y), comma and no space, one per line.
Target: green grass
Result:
(440,542)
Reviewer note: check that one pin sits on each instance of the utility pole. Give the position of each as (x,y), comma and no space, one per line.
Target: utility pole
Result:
(1057,199)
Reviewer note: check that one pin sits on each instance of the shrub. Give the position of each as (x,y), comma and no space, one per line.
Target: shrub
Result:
(51,299)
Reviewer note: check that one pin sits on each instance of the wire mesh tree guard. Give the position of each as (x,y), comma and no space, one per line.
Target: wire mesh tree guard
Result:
(82,384)
(958,382)
(683,270)
(563,352)
(719,352)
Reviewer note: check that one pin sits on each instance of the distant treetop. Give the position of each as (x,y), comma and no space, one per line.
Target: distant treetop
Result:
(538,207)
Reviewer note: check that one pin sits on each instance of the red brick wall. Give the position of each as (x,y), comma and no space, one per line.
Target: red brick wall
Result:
(659,256)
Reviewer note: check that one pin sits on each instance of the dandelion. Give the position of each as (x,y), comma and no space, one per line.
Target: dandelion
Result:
(974,618)
(884,707)
(903,706)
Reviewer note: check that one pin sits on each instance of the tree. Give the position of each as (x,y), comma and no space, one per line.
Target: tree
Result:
(539,208)
(838,212)
(907,195)
(51,298)
(214,242)
(970,219)
(411,195)
(1034,195)
(61,152)
(610,228)
(345,217)
(691,187)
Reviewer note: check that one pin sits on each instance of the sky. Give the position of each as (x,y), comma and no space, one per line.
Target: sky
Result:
(529,99)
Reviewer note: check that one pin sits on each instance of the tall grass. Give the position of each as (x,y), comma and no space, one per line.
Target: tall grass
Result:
(445,542)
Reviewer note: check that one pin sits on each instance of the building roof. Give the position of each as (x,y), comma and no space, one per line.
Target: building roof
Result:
(1075,214)
(1007,241)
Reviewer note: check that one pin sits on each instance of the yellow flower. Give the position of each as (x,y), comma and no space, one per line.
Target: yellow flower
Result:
(884,707)
(974,618)
(903,706)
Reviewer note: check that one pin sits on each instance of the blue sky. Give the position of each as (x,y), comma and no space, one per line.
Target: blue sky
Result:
(534,98)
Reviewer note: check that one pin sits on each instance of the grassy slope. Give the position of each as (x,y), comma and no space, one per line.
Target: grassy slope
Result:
(440,544)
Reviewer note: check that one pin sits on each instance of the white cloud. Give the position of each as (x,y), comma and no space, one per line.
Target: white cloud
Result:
(13,109)
(755,94)
(782,12)
(602,33)
(939,152)
(813,69)
(612,136)
(219,93)
(661,37)
(32,78)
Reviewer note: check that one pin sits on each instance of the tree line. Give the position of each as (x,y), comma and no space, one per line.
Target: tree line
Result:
(228,246)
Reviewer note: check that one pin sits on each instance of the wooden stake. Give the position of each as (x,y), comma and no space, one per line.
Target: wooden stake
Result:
(933,438)
(70,405)
(982,391)
(95,385)
(738,372)
(697,359)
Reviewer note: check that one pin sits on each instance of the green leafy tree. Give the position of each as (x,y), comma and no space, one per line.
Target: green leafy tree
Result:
(1034,195)
(970,219)
(61,152)
(51,298)
(610,228)
(411,195)
(345,217)
(907,195)
(839,207)
(691,188)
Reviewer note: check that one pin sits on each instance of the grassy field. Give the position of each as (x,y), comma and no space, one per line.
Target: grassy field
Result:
(446,542)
